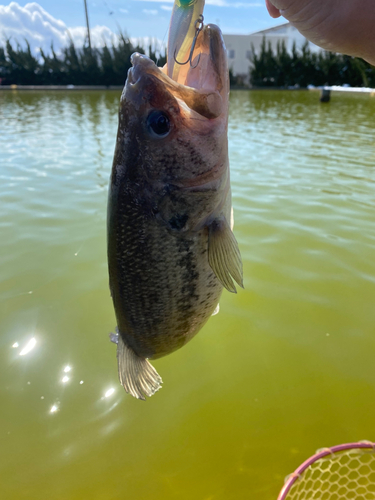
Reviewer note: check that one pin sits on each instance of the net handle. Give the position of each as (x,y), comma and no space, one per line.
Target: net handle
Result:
(320,454)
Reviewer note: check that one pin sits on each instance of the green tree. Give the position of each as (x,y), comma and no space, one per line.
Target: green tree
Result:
(52,71)
(4,65)
(154,53)
(121,58)
(303,67)
(23,66)
(107,69)
(90,71)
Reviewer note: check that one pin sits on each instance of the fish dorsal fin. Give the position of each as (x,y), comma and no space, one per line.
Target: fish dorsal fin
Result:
(137,375)
(224,255)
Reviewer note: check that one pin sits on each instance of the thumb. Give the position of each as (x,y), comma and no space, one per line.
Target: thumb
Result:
(272,10)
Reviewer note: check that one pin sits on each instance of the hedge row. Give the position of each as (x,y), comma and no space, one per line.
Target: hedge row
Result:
(304,67)
(105,66)
(109,66)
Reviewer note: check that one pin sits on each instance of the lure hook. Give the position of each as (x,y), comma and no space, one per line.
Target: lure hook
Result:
(198,28)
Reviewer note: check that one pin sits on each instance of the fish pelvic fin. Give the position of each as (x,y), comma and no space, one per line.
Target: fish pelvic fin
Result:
(137,375)
(224,255)
(216,311)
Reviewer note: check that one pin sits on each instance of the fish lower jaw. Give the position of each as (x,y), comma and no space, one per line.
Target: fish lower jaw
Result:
(141,65)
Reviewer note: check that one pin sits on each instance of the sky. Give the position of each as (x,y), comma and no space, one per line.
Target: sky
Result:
(49,20)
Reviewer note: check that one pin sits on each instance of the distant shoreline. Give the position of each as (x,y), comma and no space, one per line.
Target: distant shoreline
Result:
(115,87)
(351,90)
(61,87)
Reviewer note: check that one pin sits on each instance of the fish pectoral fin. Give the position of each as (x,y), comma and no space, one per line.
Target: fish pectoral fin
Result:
(137,375)
(224,255)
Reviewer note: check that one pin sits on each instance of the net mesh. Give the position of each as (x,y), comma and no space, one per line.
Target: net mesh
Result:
(347,475)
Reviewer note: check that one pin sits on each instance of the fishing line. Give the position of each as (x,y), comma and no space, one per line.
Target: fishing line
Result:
(162,45)
(110,10)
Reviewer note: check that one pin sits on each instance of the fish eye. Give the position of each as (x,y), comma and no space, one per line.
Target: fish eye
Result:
(158,123)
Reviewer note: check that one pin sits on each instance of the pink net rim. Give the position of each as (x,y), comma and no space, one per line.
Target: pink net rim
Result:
(321,454)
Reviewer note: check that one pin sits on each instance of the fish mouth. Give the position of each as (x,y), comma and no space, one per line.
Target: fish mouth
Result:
(203,85)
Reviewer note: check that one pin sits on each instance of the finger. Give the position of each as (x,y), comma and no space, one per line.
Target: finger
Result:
(272,10)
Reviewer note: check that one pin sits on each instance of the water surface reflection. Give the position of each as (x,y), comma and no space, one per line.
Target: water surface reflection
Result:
(281,371)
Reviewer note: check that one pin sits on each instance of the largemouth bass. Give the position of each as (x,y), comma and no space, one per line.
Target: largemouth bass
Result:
(171,248)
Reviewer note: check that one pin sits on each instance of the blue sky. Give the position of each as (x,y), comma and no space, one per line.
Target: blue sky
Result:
(151,18)
(53,21)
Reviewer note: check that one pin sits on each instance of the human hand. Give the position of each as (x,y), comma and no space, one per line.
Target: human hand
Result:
(345,26)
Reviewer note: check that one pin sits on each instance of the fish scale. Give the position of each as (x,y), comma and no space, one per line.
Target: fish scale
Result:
(157,300)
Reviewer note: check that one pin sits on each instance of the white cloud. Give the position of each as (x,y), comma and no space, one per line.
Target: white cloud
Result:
(156,44)
(124,11)
(217,3)
(41,29)
(150,12)
(236,5)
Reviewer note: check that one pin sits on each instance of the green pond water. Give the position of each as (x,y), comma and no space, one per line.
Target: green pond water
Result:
(285,368)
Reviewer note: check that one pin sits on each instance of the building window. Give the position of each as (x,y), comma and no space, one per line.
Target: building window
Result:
(231,54)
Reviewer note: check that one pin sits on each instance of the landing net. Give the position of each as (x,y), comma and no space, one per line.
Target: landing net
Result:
(344,472)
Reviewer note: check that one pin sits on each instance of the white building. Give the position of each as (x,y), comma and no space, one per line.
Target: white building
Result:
(239,46)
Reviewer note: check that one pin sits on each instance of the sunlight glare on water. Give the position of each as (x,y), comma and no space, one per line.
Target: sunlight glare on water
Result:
(286,367)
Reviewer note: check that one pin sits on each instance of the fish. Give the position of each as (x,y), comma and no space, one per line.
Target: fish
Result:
(171,248)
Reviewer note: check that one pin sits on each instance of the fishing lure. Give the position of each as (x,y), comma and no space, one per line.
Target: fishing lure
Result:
(186,24)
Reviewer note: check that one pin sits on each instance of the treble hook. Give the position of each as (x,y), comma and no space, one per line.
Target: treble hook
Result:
(198,28)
